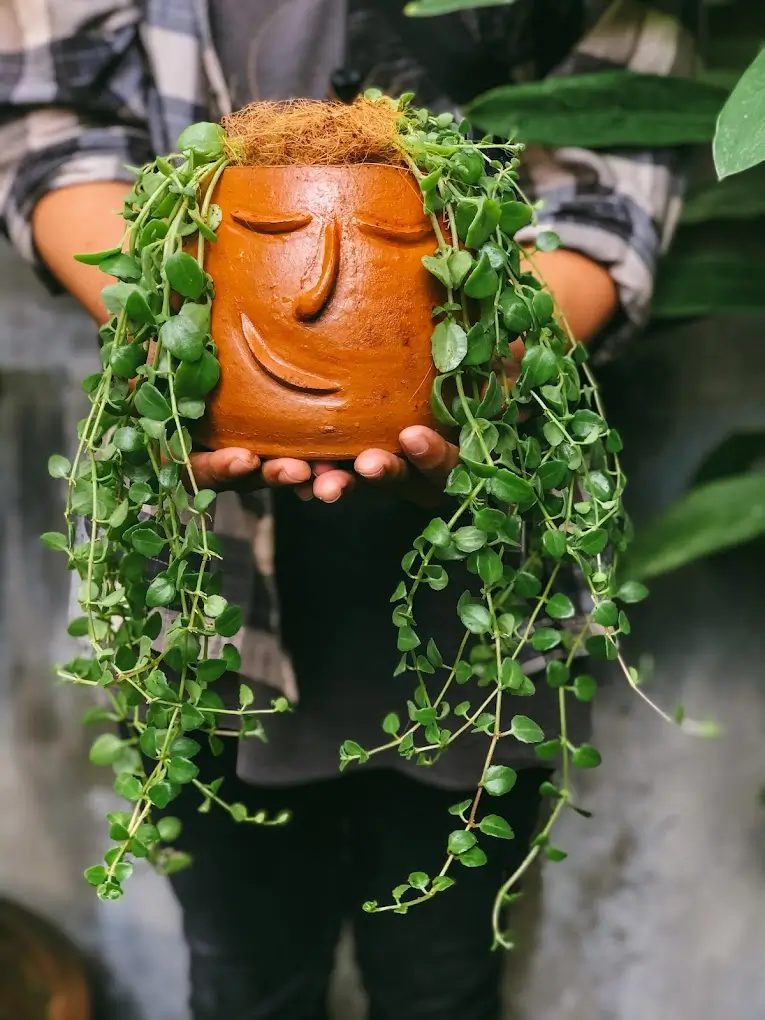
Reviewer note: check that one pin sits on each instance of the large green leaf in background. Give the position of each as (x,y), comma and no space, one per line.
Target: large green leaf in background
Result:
(741,197)
(603,110)
(709,283)
(712,517)
(739,142)
(429,8)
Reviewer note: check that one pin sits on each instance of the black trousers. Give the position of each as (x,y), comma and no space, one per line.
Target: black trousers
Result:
(263,907)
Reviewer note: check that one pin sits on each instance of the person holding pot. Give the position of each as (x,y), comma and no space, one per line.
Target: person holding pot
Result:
(88,88)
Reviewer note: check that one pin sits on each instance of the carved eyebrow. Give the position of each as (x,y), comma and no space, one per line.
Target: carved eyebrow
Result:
(271,224)
(394,232)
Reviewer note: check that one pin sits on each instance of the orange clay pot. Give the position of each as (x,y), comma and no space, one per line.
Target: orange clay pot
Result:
(322,310)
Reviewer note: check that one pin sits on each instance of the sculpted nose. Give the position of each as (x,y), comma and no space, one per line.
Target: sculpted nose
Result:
(309,304)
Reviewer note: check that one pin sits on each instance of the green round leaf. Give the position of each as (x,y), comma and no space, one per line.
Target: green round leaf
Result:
(122,266)
(96,875)
(539,365)
(419,880)
(515,313)
(438,267)
(495,825)
(169,829)
(475,616)
(160,592)
(553,854)
(391,724)
(542,306)
(483,280)
(437,532)
(473,858)
(125,359)
(183,338)
(161,793)
(460,841)
(185,275)
(468,539)
(58,466)
(593,542)
(557,673)
(560,607)
(511,675)
(606,614)
(554,543)
(54,540)
(545,638)
(229,622)
(484,223)
(514,216)
(105,749)
(548,750)
(509,488)
(214,606)
(499,780)
(146,541)
(181,770)
(150,403)
(631,591)
(460,264)
(490,567)
(196,379)
(585,687)
(128,786)
(547,240)
(438,404)
(95,258)
(203,139)
(552,472)
(406,639)
(586,757)
(489,520)
(526,730)
(480,346)
(448,345)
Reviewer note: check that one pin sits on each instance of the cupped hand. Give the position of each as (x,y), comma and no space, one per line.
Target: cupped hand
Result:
(419,475)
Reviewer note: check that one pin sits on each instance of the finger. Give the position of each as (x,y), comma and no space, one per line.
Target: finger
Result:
(331,485)
(285,471)
(380,466)
(220,468)
(320,467)
(304,491)
(429,452)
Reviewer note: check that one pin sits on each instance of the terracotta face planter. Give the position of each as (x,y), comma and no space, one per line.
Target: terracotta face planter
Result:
(322,310)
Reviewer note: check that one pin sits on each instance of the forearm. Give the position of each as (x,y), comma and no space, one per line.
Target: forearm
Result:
(79,218)
(584,291)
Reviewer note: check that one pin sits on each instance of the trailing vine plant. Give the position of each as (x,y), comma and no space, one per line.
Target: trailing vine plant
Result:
(537,491)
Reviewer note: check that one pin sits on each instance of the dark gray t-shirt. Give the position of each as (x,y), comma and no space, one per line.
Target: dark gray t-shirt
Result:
(337,565)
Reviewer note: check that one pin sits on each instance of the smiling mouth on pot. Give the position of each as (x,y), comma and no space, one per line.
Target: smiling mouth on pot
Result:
(284,372)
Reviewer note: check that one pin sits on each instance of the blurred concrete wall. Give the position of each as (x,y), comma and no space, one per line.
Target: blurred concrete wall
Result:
(656,915)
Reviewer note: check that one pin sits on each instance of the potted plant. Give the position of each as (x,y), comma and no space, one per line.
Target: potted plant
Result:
(220,335)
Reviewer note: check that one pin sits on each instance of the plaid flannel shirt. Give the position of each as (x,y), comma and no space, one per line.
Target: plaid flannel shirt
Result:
(88,87)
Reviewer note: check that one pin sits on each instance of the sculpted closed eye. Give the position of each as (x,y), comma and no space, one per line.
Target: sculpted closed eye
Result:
(271,224)
(398,234)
